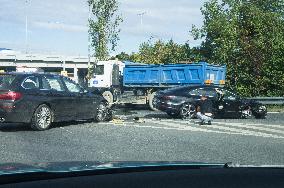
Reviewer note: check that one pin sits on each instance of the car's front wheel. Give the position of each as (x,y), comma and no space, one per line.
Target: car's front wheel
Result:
(187,111)
(246,114)
(104,113)
(42,118)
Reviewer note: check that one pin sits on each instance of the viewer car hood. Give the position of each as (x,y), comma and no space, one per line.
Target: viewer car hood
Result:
(18,168)
(69,167)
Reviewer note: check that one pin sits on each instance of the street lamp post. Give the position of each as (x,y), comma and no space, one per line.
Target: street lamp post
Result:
(26,41)
(89,38)
(141,17)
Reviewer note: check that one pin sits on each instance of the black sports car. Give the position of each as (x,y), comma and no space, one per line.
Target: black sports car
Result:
(181,102)
(40,99)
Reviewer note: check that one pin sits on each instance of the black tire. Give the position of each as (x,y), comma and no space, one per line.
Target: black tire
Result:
(246,114)
(109,97)
(104,113)
(152,101)
(187,111)
(42,118)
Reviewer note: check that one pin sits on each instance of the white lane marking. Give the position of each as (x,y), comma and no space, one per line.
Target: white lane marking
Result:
(185,126)
(252,126)
(174,128)
(222,128)
(245,132)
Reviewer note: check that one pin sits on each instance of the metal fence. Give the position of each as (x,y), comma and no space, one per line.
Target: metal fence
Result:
(270,100)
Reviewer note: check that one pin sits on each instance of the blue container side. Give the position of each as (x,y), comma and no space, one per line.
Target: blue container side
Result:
(172,75)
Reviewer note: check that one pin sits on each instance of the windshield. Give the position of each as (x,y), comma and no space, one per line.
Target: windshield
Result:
(99,70)
(206,82)
(6,81)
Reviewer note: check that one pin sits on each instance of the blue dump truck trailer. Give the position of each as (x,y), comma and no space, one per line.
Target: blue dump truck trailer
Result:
(134,83)
(160,76)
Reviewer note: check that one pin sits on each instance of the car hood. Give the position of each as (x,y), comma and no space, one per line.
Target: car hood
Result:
(71,167)
(15,168)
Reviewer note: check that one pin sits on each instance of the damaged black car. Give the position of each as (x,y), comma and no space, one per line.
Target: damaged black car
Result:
(181,102)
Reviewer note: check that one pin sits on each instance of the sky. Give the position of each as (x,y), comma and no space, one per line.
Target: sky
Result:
(61,26)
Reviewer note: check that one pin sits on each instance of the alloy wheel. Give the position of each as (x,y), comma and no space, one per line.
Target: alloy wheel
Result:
(187,111)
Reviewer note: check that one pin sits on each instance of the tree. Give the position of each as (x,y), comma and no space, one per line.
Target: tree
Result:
(161,52)
(104,27)
(247,36)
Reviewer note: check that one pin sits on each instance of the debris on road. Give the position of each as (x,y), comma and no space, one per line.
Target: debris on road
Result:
(138,120)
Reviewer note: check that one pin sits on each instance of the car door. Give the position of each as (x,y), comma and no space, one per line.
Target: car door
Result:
(56,95)
(83,101)
(230,102)
(30,87)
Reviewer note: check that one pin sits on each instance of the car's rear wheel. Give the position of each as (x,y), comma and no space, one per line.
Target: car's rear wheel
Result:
(42,118)
(187,111)
(104,113)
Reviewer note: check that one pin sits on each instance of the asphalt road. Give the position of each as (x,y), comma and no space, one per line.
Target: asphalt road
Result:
(154,137)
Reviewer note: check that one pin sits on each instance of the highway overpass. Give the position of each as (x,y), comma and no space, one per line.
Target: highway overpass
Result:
(76,66)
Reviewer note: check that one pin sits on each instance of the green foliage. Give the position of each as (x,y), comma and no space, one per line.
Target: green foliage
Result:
(104,27)
(247,36)
(160,52)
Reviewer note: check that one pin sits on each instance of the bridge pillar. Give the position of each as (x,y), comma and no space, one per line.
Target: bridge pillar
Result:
(76,74)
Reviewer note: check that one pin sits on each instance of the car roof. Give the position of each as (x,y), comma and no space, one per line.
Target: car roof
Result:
(28,73)
(197,86)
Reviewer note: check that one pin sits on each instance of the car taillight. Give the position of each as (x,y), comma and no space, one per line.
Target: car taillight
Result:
(11,95)
(168,97)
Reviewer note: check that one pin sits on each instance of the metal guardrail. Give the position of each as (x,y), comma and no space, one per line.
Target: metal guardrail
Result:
(270,100)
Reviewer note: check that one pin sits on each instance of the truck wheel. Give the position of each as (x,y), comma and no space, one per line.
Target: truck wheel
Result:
(42,118)
(152,101)
(109,97)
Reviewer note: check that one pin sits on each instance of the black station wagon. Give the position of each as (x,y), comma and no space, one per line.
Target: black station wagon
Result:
(41,98)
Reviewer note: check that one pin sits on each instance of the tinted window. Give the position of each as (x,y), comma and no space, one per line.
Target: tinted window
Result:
(201,91)
(52,83)
(194,92)
(229,95)
(31,82)
(71,85)
(6,81)
(211,93)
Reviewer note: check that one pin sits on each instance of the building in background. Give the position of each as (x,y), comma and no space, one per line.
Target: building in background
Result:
(75,66)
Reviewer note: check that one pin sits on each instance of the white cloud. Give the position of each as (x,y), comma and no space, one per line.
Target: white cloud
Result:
(164,19)
(61,26)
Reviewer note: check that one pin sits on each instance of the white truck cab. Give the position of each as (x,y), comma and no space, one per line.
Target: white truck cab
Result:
(104,71)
